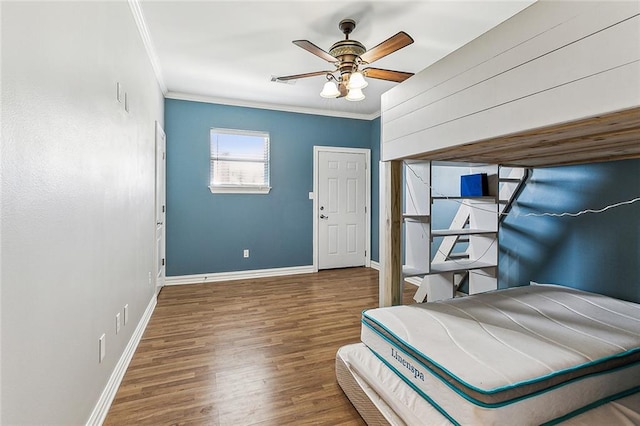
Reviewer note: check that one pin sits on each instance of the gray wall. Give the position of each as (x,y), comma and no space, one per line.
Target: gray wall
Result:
(77,218)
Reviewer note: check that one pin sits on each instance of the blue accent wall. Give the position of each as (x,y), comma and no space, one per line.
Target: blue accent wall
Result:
(594,252)
(207,232)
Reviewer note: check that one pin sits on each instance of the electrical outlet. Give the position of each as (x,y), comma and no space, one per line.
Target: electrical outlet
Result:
(102,345)
(245,253)
(150,282)
(126,314)
(118,323)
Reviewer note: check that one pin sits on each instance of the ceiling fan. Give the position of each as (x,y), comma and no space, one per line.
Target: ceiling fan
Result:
(348,56)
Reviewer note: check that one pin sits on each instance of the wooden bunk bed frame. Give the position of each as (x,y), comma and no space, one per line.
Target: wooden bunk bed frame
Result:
(557,84)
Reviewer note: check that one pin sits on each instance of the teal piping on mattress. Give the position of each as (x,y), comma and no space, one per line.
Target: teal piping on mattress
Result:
(474,400)
(592,405)
(518,384)
(417,389)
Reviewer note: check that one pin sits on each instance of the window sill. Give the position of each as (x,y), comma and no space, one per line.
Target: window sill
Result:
(239,189)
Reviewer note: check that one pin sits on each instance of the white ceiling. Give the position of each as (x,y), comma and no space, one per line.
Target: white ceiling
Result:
(227,51)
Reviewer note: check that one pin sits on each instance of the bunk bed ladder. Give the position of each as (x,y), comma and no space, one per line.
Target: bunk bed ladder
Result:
(510,187)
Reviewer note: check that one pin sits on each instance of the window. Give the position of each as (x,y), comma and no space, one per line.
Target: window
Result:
(239,161)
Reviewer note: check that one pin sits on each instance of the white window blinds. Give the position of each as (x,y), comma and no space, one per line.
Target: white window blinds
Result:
(239,161)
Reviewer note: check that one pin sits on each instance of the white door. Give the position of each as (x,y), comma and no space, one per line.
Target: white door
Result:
(341,209)
(161,144)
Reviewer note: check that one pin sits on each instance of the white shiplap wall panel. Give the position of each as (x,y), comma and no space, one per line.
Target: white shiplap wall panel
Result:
(536,53)
(548,71)
(434,88)
(531,112)
(475,53)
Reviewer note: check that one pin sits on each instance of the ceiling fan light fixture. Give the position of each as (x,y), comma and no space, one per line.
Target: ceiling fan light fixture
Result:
(347,56)
(357,81)
(330,90)
(355,95)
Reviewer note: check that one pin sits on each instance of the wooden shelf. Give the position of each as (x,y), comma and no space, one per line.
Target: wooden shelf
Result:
(457,197)
(465,231)
(448,266)
(423,218)
(459,255)
(475,223)
(410,271)
(458,266)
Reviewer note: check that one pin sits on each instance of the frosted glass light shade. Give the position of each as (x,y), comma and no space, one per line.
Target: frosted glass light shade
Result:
(330,90)
(355,95)
(357,81)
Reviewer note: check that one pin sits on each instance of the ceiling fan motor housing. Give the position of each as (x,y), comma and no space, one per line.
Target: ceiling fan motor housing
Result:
(347,51)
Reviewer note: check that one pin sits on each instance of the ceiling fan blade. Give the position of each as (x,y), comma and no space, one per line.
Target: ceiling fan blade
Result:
(388,46)
(297,76)
(310,47)
(390,75)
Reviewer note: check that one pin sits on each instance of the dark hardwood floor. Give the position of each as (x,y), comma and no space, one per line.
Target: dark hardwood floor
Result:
(249,352)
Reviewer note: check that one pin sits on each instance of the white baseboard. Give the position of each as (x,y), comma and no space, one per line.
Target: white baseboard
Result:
(237,275)
(375,265)
(108,394)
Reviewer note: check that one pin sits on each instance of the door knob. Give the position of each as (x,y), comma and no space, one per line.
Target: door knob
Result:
(324,217)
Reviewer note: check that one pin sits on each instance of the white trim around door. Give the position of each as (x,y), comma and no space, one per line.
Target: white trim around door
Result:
(160,207)
(367,154)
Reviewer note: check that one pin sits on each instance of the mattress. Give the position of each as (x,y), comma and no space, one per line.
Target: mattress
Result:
(383,398)
(371,386)
(538,352)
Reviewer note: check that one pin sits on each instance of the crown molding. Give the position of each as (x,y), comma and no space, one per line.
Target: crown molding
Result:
(273,107)
(138,16)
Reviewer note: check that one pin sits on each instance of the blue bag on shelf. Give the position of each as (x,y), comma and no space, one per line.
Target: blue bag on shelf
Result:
(474,185)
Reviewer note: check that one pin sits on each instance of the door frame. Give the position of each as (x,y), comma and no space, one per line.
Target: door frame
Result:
(159,137)
(367,158)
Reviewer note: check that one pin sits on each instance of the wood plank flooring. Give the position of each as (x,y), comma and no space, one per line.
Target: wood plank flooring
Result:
(252,352)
